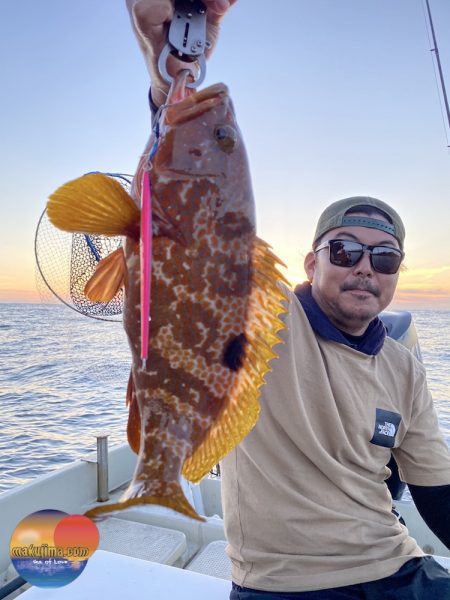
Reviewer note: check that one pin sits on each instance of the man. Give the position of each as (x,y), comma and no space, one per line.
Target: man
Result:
(307,513)
(305,505)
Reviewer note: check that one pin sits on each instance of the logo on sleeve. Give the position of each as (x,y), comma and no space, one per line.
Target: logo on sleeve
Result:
(386,427)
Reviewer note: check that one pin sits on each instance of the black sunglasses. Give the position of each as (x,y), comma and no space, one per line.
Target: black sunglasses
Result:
(346,253)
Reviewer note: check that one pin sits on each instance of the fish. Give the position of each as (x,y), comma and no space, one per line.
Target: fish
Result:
(216,299)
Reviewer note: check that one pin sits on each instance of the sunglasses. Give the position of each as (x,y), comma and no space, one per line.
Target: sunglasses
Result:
(346,253)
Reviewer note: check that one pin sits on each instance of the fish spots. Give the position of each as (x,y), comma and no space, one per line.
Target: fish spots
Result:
(155,406)
(231,279)
(232,225)
(234,352)
(177,270)
(132,261)
(198,373)
(204,332)
(200,294)
(198,328)
(159,274)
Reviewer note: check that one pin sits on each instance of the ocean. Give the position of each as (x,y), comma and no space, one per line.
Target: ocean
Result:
(63,380)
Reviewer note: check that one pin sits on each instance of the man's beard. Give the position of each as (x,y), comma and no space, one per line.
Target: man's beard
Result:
(358,314)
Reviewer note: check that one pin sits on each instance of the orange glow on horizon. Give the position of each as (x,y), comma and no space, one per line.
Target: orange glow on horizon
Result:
(27,296)
(417,288)
(424,287)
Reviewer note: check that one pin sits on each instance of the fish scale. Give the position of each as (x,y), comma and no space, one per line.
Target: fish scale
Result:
(215,299)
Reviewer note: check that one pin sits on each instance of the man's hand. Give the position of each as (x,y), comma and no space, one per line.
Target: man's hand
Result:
(151,19)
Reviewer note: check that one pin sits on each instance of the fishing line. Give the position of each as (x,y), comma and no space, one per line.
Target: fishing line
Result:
(434,59)
(92,248)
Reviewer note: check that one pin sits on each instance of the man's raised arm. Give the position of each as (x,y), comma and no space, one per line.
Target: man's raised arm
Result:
(151,19)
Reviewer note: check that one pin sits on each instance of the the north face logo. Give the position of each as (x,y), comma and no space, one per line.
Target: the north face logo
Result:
(386,427)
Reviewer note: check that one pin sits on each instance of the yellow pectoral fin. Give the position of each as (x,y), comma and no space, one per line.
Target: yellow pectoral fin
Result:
(108,278)
(95,204)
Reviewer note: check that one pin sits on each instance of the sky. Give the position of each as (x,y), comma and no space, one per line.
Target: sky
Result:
(335,98)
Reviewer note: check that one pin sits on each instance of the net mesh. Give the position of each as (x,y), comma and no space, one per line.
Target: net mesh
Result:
(65,262)
(86,253)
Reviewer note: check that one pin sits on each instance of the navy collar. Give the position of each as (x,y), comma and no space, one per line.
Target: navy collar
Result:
(369,343)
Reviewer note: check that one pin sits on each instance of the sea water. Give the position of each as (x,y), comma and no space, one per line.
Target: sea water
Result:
(63,380)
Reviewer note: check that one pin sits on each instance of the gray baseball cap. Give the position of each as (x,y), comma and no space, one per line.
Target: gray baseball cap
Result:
(335,216)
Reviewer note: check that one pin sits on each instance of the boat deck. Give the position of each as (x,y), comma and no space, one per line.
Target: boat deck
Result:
(115,576)
(146,551)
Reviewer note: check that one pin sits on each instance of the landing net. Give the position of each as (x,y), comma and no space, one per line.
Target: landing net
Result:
(65,262)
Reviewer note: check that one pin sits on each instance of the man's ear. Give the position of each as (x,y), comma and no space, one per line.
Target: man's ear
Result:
(310,265)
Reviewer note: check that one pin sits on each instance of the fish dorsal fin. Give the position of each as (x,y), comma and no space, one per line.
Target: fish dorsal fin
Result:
(109,276)
(95,204)
(267,302)
(134,417)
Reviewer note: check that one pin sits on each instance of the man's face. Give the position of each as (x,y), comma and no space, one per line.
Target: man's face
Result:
(351,296)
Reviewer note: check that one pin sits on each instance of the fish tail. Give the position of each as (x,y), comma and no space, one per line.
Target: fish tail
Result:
(176,500)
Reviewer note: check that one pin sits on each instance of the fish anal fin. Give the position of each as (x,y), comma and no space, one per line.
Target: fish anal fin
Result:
(95,204)
(134,418)
(267,302)
(108,278)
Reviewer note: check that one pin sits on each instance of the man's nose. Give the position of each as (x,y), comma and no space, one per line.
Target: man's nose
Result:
(363,266)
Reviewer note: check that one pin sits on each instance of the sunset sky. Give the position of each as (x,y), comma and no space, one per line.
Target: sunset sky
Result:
(334,99)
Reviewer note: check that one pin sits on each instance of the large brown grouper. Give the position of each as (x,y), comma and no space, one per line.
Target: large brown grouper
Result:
(215,299)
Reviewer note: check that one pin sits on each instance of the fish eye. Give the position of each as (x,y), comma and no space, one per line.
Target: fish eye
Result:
(226,137)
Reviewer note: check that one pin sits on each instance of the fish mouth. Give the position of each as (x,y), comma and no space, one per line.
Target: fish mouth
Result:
(196,104)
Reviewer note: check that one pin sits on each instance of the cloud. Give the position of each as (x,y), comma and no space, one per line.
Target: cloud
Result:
(428,287)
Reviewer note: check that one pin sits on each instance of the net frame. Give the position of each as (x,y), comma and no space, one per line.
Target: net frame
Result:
(66,261)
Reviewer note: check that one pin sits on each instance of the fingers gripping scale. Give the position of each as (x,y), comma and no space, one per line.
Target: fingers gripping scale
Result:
(186,39)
